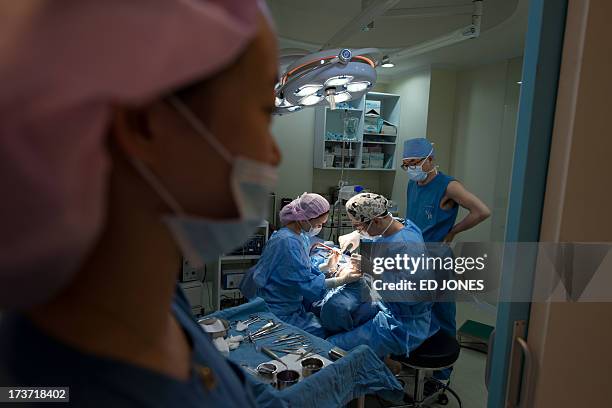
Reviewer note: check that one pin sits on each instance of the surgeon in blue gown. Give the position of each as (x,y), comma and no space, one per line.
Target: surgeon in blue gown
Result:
(285,276)
(403,321)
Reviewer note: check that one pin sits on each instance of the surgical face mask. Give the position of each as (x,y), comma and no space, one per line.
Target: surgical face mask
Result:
(313,231)
(416,173)
(364,233)
(203,240)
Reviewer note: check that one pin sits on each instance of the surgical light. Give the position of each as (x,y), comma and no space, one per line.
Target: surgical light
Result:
(287,109)
(281,103)
(325,77)
(308,90)
(357,86)
(342,97)
(339,80)
(386,62)
(311,100)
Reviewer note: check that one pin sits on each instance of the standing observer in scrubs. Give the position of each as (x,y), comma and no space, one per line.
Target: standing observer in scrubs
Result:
(285,276)
(433,200)
(122,160)
(404,321)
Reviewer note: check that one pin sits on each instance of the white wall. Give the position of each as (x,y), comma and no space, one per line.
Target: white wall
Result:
(294,134)
(472,121)
(441,114)
(414,99)
(499,206)
(483,139)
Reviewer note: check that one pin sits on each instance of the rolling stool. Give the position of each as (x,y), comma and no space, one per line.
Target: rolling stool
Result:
(438,352)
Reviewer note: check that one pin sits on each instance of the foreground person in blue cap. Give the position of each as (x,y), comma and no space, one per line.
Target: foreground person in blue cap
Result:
(432,204)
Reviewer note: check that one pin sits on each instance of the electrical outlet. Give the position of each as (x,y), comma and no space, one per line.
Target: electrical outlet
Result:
(232,280)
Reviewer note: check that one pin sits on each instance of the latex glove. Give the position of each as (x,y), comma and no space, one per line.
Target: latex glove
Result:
(349,274)
(345,275)
(333,260)
(351,240)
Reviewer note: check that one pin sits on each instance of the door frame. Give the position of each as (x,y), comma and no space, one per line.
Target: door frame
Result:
(537,102)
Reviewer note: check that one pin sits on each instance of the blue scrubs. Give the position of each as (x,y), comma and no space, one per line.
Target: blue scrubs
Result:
(399,326)
(423,208)
(32,358)
(287,280)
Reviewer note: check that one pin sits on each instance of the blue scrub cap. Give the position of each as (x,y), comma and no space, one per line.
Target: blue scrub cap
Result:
(417,148)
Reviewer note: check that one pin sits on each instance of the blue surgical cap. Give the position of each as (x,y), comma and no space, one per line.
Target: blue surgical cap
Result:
(417,148)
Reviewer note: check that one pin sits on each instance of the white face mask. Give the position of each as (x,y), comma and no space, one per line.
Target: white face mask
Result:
(313,231)
(364,233)
(203,240)
(416,173)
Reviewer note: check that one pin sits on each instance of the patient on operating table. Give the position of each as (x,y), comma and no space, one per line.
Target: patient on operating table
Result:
(347,306)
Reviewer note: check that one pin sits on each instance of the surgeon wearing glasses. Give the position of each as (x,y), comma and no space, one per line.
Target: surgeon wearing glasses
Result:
(433,200)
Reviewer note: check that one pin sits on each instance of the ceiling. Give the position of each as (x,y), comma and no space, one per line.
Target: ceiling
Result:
(312,23)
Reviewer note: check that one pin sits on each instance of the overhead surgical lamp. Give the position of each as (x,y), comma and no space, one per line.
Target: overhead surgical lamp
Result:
(326,78)
(386,62)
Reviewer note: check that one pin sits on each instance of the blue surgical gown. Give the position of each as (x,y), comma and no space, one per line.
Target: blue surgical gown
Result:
(288,281)
(402,324)
(32,358)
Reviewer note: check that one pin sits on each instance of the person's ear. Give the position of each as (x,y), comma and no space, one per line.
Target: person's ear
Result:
(131,133)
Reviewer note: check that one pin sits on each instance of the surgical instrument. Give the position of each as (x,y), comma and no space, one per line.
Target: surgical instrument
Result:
(270,353)
(308,353)
(285,338)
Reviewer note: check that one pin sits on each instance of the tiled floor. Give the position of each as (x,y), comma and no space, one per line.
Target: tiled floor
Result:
(468,380)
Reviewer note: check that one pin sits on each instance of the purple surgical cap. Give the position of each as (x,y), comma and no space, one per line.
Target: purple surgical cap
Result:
(62,65)
(303,208)
(417,148)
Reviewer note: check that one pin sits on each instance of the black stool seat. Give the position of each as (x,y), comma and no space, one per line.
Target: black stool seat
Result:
(438,351)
